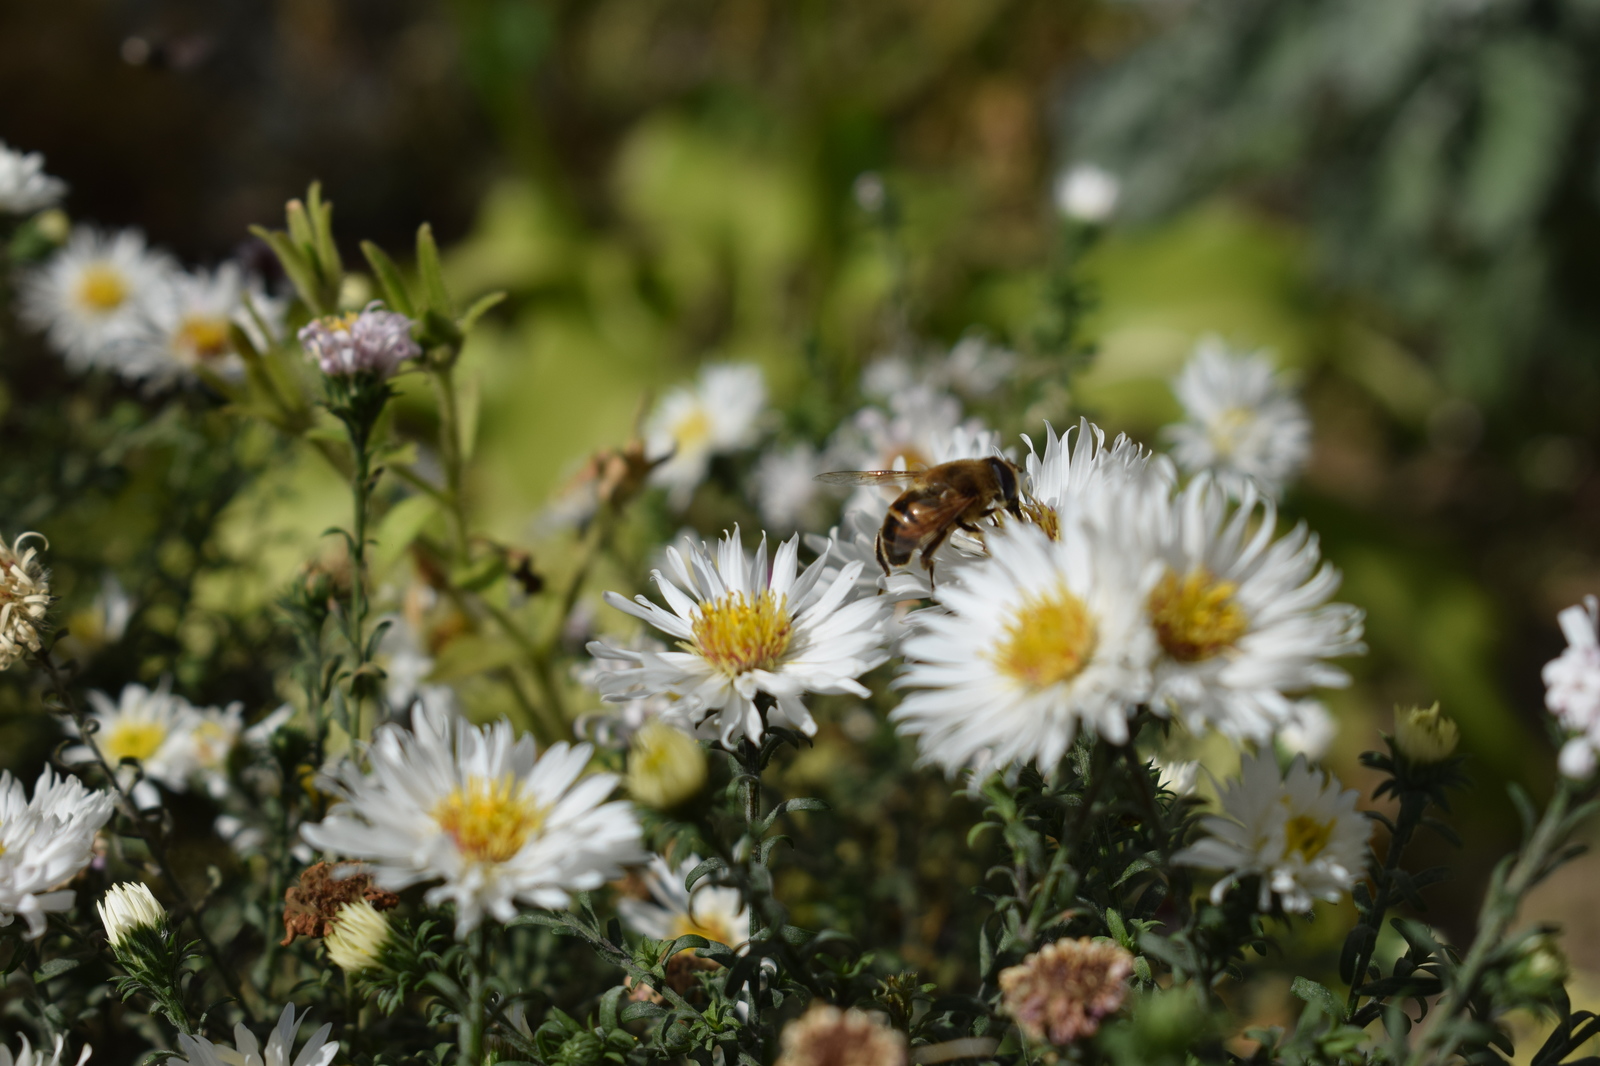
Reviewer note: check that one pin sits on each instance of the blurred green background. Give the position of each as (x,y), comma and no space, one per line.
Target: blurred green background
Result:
(1402,200)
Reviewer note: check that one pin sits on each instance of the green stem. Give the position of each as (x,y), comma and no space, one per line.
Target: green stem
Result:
(1499,910)
(1412,806)
(361,498)
(472,1019)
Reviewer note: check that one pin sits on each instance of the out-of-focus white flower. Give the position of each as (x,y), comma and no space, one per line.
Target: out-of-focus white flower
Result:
(24,598)
(1243,423)
(128,907)
(216,731)
(1242,616)
(407,667)
(44,842)
(1037,641)
(1086,192)
(922,427)
(31,1056)
(1301,834)
(1309,730)
(483,813)
(1572,687)
(786,487)
(24,186)
(91,297)
(720,413)
(102,623)
(666,766)
(152,727)
(977,366)
(886,376)
(187,324)
(247,1051)
(716,913)
(748,631)
(375,341)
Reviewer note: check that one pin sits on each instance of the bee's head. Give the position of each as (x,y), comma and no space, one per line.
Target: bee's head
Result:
(1005,474)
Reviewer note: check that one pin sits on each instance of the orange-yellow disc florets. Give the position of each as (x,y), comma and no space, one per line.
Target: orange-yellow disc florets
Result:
(1196,616)
(490,820)
(1049,639)
(741,632)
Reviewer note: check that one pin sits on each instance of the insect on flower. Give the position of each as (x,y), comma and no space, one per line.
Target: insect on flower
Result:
(938,500)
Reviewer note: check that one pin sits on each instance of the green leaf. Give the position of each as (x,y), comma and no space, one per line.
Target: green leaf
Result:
(481,306)
(435,297)
(1318,996)
(404,522)
(55,968)
(390,281)
(296,267)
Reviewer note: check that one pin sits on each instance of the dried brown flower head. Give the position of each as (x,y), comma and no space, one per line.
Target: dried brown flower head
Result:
(312,904)
(828,1036)
(1061,992)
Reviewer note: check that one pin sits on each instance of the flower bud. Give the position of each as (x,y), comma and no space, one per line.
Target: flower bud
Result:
(374,341)
(1425,735)
(356,937)
(128,907)
(1540,970)
(666,766)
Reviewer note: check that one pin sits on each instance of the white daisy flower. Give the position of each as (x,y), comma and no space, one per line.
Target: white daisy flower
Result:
(1241,615)
(407,668)
(1087,192)
(1309,730)
(152,727)
(786,487)
(44,842)
(746,632)
(481,811)
(720,413)
(211,740)
(1042,638)
(1300,833)
(31,1056)
(187,324)
(247,1051)
(1244,424)
(1572,687)
(714,912)
(922,427)
(1066,474)
(24,186)
(976,366)
(625,717)
(91,298)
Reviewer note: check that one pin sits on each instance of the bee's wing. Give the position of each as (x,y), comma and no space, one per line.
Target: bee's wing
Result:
(870,477)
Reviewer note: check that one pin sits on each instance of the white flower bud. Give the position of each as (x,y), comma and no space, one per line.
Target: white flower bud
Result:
(127,907)
(357,937)
(1425,735)
(666,766)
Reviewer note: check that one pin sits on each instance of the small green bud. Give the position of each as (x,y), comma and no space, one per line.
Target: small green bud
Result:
(1540,970)
(1425,735)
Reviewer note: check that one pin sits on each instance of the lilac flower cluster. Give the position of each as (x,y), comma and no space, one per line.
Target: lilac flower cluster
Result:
(375,341)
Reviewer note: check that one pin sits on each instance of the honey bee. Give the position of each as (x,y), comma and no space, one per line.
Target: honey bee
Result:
(939,500)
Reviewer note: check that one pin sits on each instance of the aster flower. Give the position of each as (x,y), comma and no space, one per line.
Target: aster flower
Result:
(1241,615)
(1243,424)
(44,842)
(1572,687)
(31,1056)
(1066,474)
(828,1036)
(745,633)
(1087,192)
(247,1051)
(24,186)
(1300,834)
(786,486)
(481,812)
(1063,991)
(714,912)
(187,324)
(666,766)
(923,427)
(976,366)
(719,413)
(215,732)
(1042,638)
(154,728)
(375,342)
(127,908)
(91,297)
(24,598)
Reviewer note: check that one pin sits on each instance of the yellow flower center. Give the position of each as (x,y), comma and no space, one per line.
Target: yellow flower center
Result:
(693,430)
(738,632)
(1049,640)
(1228,429)
(715,929)
(488,819)
(102,288)
(342,323)
(1306,835)
(132,740)
(1196,617)
(1042,515)
(203,337)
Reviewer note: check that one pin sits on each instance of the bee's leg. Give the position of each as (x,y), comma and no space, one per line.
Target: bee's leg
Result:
(879,554)
(931,547)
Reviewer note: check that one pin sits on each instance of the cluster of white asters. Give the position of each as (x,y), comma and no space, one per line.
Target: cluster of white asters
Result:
(106,300)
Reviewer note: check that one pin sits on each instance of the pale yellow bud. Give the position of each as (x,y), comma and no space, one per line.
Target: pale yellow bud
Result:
(356,937)
(1425,735)
(666,766)
(127,907)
